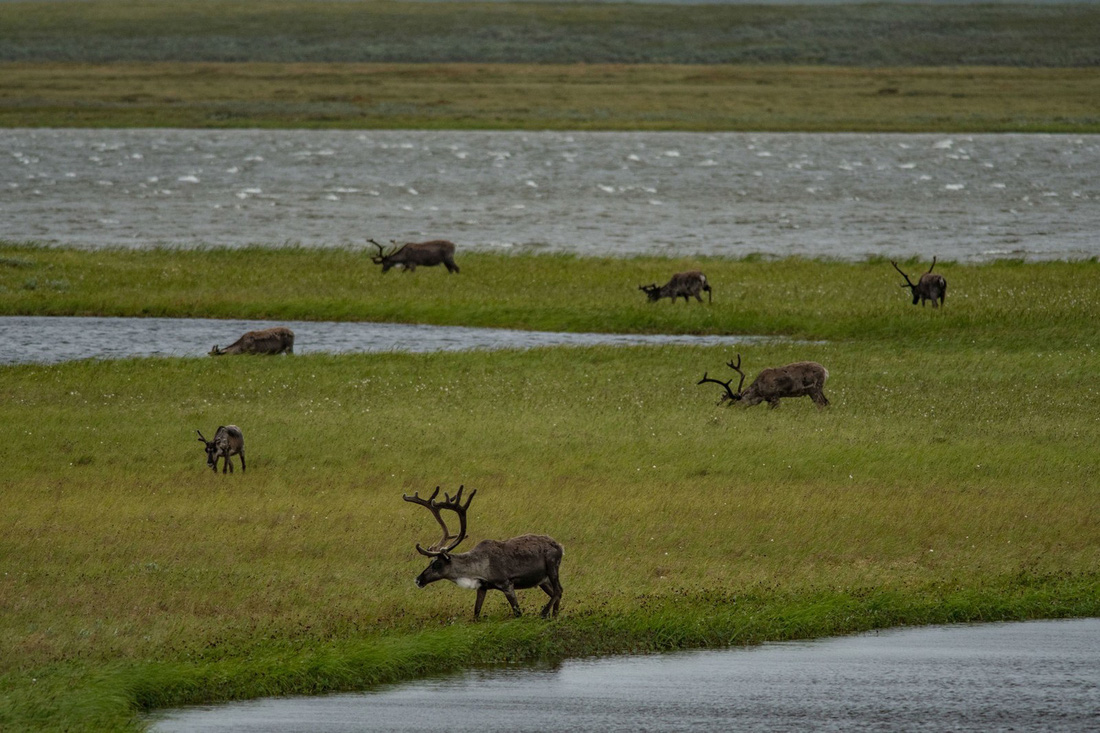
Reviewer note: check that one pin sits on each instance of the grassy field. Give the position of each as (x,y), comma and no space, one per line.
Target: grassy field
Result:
(110,31)
(459,65)
(953,477)
(1004,304)
(529,96)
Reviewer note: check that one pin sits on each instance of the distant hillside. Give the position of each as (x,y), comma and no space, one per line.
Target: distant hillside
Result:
(102,31)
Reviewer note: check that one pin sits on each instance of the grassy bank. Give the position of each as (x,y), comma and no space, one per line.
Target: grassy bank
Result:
(1005,304)
(110,31)
(527,96)
(952,478)
(499,65)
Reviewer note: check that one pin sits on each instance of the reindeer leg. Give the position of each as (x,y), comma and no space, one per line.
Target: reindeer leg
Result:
(510,593)
(552,587)
(481,590)
(228,464)
(241,454)
(548,589)
(773,404)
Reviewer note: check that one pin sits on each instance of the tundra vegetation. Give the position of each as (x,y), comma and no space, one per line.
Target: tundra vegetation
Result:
(324,63)
(952,479)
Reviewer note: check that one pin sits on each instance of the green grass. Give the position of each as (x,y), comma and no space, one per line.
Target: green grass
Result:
(525,96)
(1006,304)
(952,478)
(500,65)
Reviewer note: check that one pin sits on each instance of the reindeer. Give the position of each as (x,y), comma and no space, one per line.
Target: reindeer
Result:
(793,380)
(522,562)
(228,441)
(683,284)
(269,341)
(929,287)
(428,254)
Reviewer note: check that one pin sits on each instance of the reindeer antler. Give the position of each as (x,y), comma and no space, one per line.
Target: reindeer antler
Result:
(729,395)
(910,282)
(737,368)
(381,250)
(454,504)
(933,263)
(204,440)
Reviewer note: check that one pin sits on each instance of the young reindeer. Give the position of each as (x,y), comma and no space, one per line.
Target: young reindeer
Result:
(803,378)
(276,340)
(684,284)
(929,287)
(522,562)
(228,441)
(428,254)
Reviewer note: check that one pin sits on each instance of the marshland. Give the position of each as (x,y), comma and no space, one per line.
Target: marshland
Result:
(951,479)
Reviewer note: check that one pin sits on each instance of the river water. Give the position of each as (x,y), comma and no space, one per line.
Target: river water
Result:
(48,339)
(1037,676)
(961,197)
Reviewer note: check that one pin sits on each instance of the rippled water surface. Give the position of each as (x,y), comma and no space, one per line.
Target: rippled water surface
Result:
(963,197)
(46,339)
(1002,677)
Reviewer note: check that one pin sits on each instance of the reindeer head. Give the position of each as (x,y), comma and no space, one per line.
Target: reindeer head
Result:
(909,283)
(653,292)
(730,395)
(211,449)
(385,258)
(440,552)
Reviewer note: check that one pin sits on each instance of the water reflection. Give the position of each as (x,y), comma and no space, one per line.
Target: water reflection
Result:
(1024,676)
(47,339)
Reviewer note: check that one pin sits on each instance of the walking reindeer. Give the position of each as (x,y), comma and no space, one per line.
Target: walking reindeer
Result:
(522,562)
(413,254)
(228,441)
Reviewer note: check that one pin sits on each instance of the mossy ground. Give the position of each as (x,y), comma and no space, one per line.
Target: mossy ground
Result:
(952,478)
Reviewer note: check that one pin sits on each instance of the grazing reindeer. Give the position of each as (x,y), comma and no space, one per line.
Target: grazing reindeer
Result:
(522,562)
(929,287)
(428,254)
(682,283)
(276,340)
(228,441)
(794,380)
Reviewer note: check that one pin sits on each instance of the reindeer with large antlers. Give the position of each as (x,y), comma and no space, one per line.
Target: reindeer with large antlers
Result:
(522,562)
(803,378)
(428,254)
(929,287)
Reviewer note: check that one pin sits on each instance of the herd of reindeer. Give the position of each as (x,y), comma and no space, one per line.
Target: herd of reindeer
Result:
(533,560)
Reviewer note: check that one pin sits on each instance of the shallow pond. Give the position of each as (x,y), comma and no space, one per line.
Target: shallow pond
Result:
(1021,676)
(49,339)
(961,197)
